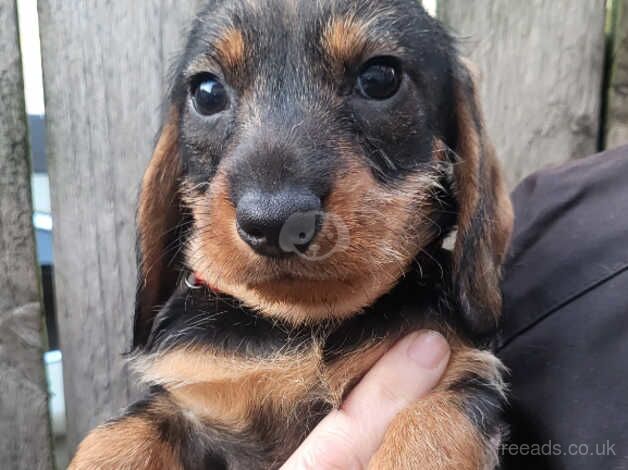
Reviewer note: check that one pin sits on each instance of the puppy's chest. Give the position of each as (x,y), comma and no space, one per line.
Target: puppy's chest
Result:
(251,395)
(253,389)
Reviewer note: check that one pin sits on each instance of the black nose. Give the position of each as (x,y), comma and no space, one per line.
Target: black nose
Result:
(280,223)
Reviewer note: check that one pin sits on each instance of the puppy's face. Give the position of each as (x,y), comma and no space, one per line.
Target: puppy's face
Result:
(308,135)
(307,143)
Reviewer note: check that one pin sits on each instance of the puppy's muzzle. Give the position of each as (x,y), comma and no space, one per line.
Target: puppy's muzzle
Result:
(281,223)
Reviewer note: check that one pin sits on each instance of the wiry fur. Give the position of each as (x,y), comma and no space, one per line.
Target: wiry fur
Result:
(240,370)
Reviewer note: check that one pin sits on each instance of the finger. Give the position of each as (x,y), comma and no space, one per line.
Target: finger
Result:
(347,438)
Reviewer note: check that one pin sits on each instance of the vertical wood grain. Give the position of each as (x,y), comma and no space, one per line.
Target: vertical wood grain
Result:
(541,66)
(24,430)
(617,115)
(105,67)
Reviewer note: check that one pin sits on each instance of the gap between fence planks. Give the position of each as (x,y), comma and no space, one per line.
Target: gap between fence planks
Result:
(105,67)
(541,65)
(24,429)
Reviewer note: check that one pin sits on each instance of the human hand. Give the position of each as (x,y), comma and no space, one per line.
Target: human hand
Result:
(347,438)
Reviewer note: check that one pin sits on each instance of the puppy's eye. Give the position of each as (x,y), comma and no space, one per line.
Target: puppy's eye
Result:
(209,95)
(380,78)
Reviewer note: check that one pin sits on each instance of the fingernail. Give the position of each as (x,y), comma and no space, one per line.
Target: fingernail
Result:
(428,349)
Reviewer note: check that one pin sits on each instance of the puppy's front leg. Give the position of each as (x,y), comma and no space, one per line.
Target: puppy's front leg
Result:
(457,427)
(129,443)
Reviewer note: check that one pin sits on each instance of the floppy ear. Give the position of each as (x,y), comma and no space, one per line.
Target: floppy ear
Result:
(159,225)
(484,213)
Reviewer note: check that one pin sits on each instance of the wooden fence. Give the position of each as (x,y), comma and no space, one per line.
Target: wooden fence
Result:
(105,64)
(104,87)
(541,65)
(24,442)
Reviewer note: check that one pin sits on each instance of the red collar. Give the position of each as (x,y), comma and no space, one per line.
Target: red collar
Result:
(195,281)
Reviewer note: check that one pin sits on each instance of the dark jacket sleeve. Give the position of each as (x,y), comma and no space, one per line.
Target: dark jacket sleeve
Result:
(565,330)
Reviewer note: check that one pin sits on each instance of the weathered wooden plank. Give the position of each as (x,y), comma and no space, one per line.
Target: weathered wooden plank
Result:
(105,65)
(617,113)
(541,64)
(25,440)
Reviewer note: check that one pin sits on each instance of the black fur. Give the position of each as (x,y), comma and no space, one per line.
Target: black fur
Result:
(483,403)
(218,322)
(289,120)
(280,50)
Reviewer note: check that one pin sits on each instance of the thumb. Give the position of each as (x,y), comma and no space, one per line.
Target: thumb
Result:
(347,438)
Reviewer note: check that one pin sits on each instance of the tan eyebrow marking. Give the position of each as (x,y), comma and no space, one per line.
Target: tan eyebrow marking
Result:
(345,39)
(230,48)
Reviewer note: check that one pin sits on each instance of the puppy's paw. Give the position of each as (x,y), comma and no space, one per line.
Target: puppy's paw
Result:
(457,427)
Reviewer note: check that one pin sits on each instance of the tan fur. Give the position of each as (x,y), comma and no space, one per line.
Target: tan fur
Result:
(469,180)
(231,390)
(479,184)
(228,58)
(158,195)
(435,433)
(158,213)
(379,230)
(345,39)
(349,39)
(383,229)
(128,444)
(231,48)
(466,361)
(342,374)
(387,229)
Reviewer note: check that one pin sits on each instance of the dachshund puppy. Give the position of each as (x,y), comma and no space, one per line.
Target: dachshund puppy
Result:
(315,157)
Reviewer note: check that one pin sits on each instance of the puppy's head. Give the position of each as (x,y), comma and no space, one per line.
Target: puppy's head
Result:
(307,158)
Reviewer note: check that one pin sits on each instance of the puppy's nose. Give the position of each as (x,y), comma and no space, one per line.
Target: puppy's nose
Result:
(280,223)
